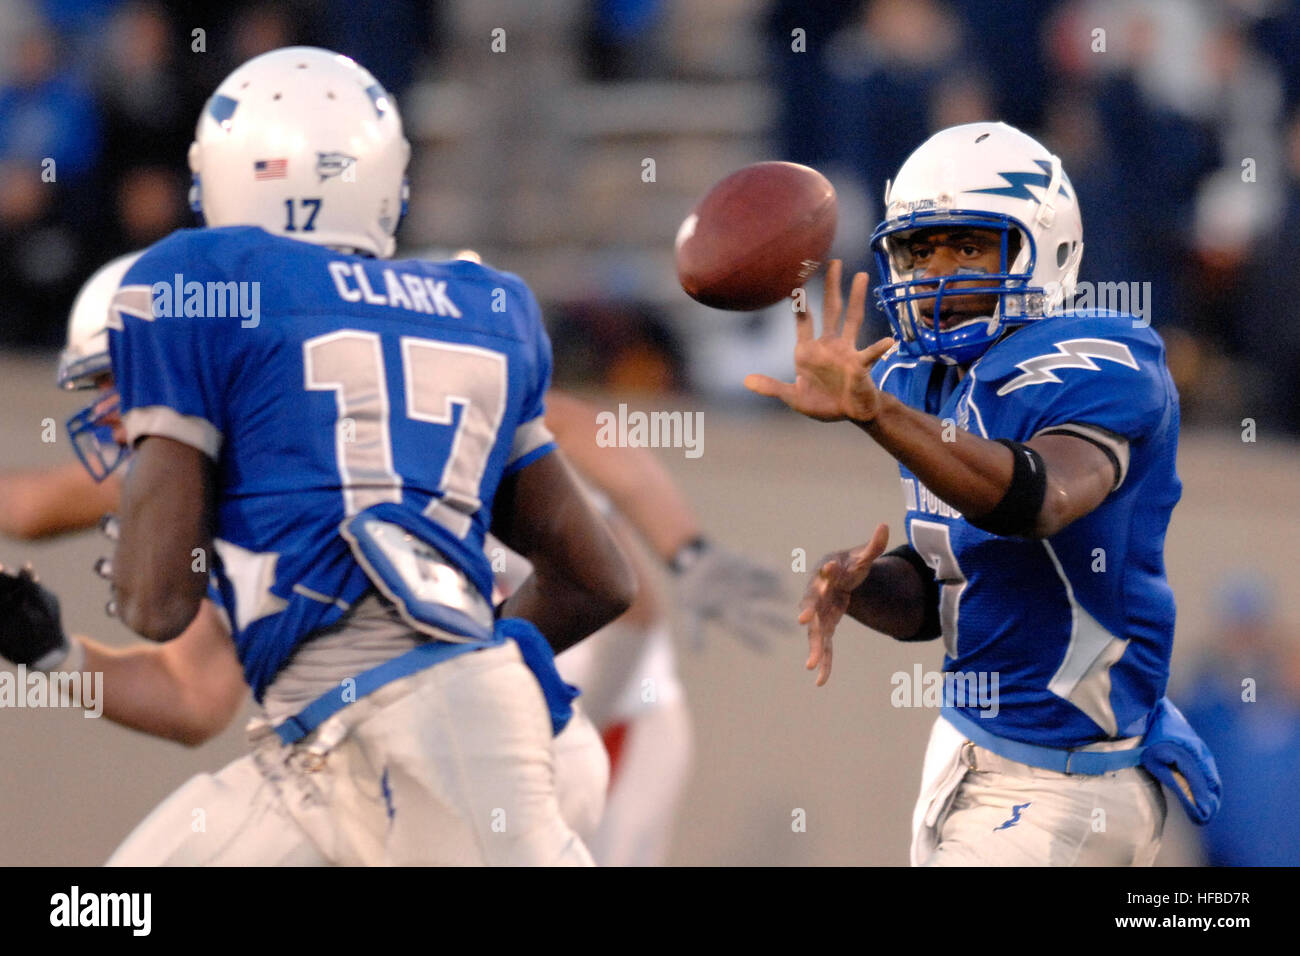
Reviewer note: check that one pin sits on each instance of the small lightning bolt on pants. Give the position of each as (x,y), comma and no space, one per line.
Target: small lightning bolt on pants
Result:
(1005,813)
(453,765)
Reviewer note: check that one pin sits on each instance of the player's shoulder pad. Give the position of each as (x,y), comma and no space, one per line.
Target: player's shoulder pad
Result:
(199,253)
(196,275)
(894,368)
(508,294)
(152,262)
(512,287)
(1092,346)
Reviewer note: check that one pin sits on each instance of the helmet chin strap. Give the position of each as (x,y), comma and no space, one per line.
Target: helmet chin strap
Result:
(1047,210)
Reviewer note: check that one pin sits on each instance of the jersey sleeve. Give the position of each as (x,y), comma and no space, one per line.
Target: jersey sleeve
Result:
(168,354)
(532,438)
(885,367)
(1112,391)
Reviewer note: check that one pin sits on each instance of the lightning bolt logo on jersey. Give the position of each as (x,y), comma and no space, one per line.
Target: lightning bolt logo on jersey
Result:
(1079,626)
(405,385)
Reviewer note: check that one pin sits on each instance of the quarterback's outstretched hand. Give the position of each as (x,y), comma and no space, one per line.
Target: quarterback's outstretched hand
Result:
(832,378)
(744,597)
(828,596)
(30,630)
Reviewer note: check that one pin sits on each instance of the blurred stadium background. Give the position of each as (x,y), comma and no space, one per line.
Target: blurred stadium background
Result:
(1178,123)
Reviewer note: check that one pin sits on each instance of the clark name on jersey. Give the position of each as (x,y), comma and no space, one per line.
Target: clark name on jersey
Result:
(298,407)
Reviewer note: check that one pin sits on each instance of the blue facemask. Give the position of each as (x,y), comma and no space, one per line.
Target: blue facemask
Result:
(92,437)
(899,299)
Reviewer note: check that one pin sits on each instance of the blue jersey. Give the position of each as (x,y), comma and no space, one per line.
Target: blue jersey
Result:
(322,384)
(1077,627)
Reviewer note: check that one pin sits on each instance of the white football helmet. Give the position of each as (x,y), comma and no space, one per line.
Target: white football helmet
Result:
(304,143)
(85,363)
(85,355)
(987,176)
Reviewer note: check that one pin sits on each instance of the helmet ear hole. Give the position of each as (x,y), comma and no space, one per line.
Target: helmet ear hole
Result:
(1062,254)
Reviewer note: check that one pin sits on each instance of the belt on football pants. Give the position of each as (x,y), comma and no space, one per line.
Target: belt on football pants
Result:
(367,682)
(1091,762)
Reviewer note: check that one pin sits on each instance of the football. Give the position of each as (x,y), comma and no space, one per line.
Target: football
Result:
(756,236)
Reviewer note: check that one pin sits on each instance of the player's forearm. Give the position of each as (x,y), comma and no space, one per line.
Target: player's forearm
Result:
(42,503)
(635,481)
(968,472)
(143,693)
(891,599)
(24,511)
(655,507)
(187,690)
(564,611)
(167,507)
(581,579)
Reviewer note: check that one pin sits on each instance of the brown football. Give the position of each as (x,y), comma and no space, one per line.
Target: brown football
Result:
(756,236)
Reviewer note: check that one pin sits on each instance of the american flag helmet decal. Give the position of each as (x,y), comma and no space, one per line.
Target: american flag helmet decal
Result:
(270,169)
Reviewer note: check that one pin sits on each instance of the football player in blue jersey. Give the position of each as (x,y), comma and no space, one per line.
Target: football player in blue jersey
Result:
(328,437)
(1036,445)
(189,689)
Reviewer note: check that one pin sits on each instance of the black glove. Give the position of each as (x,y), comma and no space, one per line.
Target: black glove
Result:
(30,631)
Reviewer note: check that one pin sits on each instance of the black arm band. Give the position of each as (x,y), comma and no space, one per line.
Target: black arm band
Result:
(930,626)
(1017,513)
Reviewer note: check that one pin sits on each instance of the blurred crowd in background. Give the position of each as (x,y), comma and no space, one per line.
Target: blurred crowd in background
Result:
(110,91)
(1177,121)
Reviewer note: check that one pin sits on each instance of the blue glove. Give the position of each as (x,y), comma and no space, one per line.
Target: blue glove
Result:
(1178,758)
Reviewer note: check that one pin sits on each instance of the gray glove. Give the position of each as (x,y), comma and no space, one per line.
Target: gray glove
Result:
(749,600)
